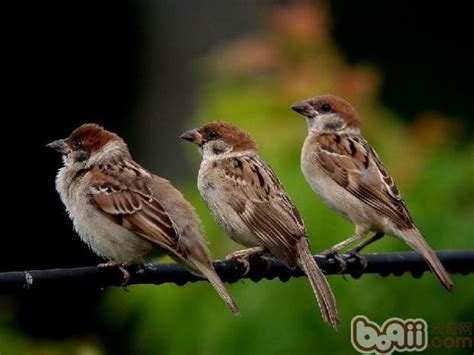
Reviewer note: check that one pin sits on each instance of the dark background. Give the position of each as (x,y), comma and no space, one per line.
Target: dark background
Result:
(76,62)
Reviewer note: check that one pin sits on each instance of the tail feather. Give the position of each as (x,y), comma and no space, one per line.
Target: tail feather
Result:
(209,272)
(321,288)
(416,241)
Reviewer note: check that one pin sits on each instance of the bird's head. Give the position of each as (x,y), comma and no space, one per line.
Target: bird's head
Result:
(219,138)
(328,113)
(89,142)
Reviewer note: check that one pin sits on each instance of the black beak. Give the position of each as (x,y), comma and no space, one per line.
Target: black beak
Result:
(303,108)
(60,146)
(192,136)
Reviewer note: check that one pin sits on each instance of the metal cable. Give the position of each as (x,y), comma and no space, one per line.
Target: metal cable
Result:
(456,262)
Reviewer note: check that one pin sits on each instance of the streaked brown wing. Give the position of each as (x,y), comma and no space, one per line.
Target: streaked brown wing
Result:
(354,165)
(264,206)
(126,198)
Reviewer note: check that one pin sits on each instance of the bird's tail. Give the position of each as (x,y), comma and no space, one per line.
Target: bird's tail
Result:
(208,271)
(413,238)
(321,288)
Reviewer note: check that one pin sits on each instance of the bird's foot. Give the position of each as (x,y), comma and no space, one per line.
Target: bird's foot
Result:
(245,256)
(361,260)
(121,266)
(333,254)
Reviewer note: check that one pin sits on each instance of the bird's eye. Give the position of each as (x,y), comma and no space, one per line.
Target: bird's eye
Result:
(212,135)
(76,144)
(325,108)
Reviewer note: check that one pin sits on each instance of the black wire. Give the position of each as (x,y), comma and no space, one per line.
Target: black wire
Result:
(457,262)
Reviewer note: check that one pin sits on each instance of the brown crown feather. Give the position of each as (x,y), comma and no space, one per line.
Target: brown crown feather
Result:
(238,138)
(93,136)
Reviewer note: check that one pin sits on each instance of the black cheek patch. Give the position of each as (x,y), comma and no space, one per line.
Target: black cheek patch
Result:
(334,125)
(217,150)
(81,155)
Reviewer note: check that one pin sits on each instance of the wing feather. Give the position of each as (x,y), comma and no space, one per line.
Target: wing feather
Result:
(126,198)
(264,206)
(353,164)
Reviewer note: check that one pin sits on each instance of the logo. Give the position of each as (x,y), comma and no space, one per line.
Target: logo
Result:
(395,334)
(451,335)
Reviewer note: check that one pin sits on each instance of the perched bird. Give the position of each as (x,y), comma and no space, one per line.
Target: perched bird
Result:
(344,170)
(123,212)
(250,204)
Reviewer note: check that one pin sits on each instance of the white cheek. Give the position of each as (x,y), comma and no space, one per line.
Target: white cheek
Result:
(328,122)
(209,149)
(314,124)
(206,151)
(67,161)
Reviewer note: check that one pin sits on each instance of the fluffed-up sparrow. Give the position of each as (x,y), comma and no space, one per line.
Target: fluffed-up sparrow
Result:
(345,171)
(123,212)
(250,204)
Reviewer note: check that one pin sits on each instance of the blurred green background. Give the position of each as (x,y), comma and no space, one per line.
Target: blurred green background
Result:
(285,52)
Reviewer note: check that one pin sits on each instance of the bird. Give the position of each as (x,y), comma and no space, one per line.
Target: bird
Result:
(248,201)
(123,212)
(346,172)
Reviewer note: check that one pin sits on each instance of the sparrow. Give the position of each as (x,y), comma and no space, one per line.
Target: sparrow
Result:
(123,212)
(250,204)
(346,172)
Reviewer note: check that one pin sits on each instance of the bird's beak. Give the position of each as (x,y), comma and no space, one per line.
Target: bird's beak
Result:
(304,108)
(60,146)
(192,136)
